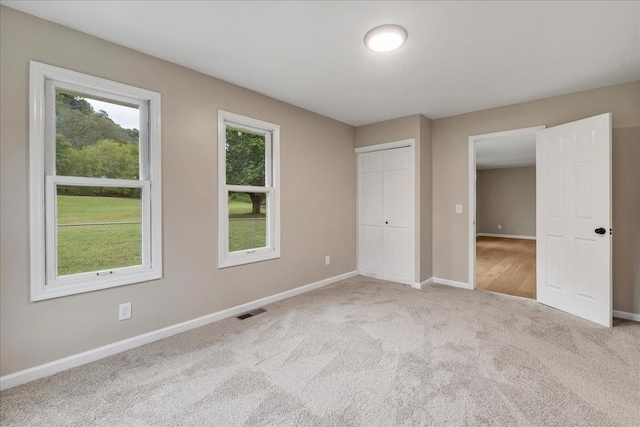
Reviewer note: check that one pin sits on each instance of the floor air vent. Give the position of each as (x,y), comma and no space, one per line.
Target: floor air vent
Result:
(251,313)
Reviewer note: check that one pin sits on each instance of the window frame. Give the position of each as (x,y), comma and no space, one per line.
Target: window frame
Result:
(44,281)
(271,188)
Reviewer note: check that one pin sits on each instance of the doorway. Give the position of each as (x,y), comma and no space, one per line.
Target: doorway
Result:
(503,245)
(573,215)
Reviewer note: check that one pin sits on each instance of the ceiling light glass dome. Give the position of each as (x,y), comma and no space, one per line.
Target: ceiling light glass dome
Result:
(385,38)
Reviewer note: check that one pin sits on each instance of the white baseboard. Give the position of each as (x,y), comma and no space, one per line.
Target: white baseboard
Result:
(72,361)
(453,283)
(507,236)
(626,315)
(422,284)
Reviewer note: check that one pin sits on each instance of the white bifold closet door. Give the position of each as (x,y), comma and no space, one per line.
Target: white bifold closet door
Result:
(385,214)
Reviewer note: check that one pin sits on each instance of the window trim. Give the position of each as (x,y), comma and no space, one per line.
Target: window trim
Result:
(271,188)
(42,181)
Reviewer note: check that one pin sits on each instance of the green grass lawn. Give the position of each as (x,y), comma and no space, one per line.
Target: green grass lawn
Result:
(99,247)
(87,248)
(242,209)
(247,234)
(246,230)
(82,209)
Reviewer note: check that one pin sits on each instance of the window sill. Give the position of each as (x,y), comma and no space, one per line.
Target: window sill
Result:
(241,259)
(52,291)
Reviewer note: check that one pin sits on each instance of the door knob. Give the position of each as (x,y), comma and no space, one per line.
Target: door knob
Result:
(600,230)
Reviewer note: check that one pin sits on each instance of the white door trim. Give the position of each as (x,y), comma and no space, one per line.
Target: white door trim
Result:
(472,189)
(411,143)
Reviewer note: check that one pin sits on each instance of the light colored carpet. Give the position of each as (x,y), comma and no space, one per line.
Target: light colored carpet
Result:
(360,352)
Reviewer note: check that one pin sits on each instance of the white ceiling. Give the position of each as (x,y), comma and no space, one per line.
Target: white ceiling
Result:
(506,152)
(459,57)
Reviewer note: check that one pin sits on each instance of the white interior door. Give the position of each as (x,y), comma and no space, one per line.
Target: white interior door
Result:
(397,209)
(574,218)
(370,214)
(385,214)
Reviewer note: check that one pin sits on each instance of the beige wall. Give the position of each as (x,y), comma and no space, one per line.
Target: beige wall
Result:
(626,219)
(426,200)
(389,130)
(450,175)
(417,127)
(506,197)
(318,199)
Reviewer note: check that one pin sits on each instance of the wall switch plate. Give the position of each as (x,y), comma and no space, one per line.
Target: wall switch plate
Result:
(499,227)
(327,260)
(458,209)
(125,311)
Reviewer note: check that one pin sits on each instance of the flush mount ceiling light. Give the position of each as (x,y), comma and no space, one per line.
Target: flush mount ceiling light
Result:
(385,38)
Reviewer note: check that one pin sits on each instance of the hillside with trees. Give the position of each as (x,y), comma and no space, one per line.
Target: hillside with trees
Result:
(90,144)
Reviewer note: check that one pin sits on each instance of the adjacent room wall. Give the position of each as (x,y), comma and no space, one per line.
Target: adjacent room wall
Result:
(626,218)
(450,175)
(419,128)
(318,199)
(506,197)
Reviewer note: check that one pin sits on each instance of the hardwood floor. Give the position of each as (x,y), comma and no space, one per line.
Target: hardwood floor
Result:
(507,266)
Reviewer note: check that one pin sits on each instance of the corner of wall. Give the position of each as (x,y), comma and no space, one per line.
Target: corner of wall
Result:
(426,198)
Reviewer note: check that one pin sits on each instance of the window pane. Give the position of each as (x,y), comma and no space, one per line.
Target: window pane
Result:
(247,221)
(245,158)
(96,138)
(99,228)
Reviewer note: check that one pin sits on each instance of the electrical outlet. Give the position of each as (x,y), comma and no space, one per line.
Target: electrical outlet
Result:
(125,311)
(327,260)
(499,227)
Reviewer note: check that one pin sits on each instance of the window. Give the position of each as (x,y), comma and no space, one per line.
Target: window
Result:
(248,190)
(95,200)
